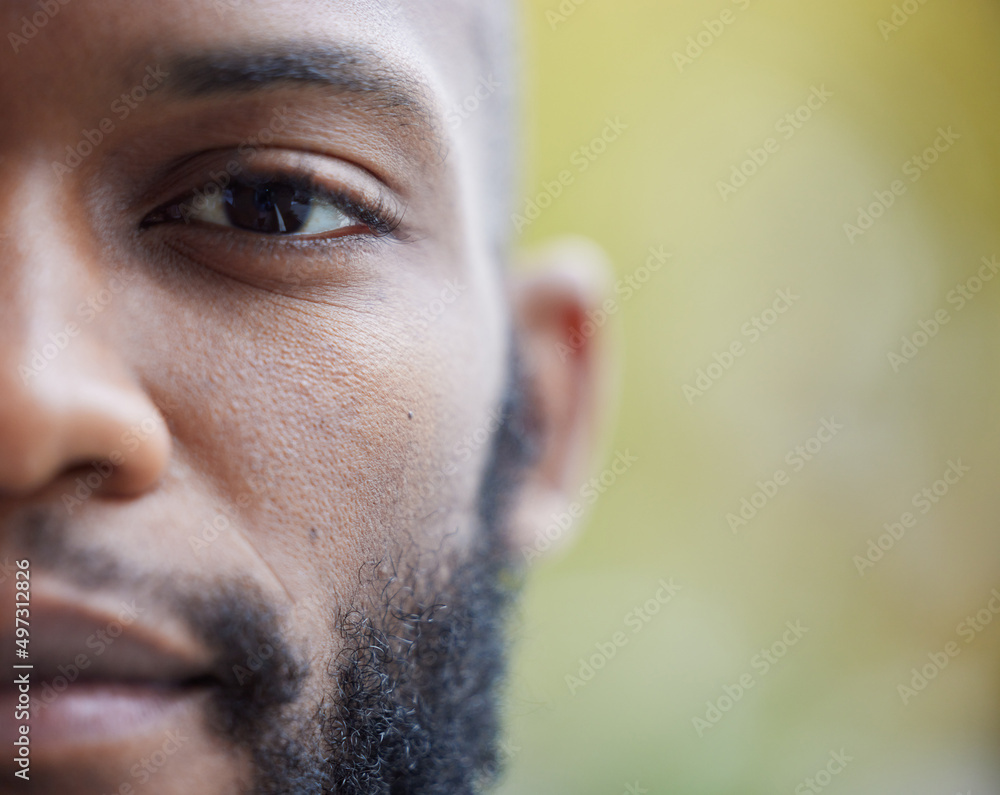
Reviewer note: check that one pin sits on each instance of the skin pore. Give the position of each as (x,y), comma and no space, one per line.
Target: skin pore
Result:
(268,492)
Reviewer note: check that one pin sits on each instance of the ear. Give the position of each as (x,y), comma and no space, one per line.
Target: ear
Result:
(563,312)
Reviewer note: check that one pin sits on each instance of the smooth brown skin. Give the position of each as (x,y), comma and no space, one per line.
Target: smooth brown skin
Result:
(281,382)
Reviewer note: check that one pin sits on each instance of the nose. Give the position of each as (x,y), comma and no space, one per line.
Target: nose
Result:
(68,397)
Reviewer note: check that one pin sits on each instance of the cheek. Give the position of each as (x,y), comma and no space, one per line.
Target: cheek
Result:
(330,439)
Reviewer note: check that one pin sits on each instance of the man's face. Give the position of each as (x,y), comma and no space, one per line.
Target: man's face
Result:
(254,354)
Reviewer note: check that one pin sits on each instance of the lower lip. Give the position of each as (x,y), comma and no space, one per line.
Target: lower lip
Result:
(95,713)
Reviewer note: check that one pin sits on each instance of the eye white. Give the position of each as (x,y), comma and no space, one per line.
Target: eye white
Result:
(324,217)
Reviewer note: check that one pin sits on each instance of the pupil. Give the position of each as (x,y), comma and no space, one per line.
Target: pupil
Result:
(271,208)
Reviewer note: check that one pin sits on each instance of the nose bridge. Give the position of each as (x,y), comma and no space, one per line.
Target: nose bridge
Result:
(68,397)
(38,281)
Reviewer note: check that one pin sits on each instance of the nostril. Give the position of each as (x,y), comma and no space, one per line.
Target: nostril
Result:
(84,479)
(98,468)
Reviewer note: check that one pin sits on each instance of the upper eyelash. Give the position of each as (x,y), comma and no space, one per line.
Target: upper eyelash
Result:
(379,216)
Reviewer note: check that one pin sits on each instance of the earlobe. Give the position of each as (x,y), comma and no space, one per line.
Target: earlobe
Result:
(561,298)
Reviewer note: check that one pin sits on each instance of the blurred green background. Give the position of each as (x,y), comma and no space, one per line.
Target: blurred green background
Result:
(887,82)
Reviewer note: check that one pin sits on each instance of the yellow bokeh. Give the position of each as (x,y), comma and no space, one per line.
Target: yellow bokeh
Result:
(824,177)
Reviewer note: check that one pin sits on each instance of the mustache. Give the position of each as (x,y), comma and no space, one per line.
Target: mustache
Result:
(255,672)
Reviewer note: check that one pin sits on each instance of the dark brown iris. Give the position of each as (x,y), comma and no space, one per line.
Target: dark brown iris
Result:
(270,208)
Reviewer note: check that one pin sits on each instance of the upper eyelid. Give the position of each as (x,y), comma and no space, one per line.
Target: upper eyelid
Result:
(332,175)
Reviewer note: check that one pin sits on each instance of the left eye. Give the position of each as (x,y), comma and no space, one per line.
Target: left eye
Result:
(270,208)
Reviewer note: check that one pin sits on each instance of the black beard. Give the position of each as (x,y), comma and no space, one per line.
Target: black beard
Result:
(416,708)
(412,703)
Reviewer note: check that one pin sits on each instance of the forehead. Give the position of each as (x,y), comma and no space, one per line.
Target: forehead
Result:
(74,50)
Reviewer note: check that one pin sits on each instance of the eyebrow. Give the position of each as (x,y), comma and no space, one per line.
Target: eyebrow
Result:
(362,73)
